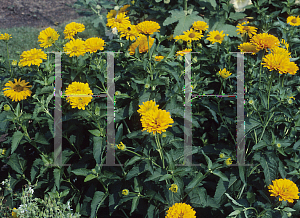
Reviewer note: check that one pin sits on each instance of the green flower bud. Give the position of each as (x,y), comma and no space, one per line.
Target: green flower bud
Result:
(180,58)
(180,41)
(199,45)
(98,7)
(189,44)
(6,107)
(147,86)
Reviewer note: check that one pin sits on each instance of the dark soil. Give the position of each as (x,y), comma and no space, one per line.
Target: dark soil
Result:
(36,13)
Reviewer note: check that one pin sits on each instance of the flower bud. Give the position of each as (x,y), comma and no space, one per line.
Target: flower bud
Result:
(199,45)
(117,93)
(180,58)
(189,44)
(180,41)
(147,86)
(6,107)
(166,1)
(132,2)
(98,7)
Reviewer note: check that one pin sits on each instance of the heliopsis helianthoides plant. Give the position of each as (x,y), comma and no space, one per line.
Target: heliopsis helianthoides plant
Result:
(216,36)
(148,27)
(224,73)
(265,41)
(78,95)
(94,44)
(32,57)
(75,48)
(129,31)
(5,37)
(18,90)
(286,189)
(72,29)
(243,29)
(181,210)
(248,47)
(47,37)
(142,42)
(293,21)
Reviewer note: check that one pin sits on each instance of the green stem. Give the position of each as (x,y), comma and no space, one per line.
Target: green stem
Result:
(185,5)
(142,156)
(260,68)
(160,150)
(282,80)
(270,83)
(265,127)
(148,38)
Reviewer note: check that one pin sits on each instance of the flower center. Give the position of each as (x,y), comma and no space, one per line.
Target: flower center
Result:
(294,20)
(192,35)
(217,37)
(18,88)
(129,28)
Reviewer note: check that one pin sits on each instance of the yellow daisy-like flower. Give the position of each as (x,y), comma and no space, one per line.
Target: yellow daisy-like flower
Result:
(170,37)
(294,21)
(121,146)
(191,35)
(285,44)
(290,67)
(181,210)
(123,9)
(142,42)
(47,37)
(4,151)
(159,58)
(264,41)
(75,47)
(14,63)
(248,47)
(156,120)
(183,52)
(148,27)
(275,62)
(224,73)
(72,29)
(216,36)
(17,91)
(180,37)
(228,161)
(129,31)
(200,26)
(94,44)
(146,107)
(286,189)
(111,14)
(14,214)
(116,22)
(174,188)
(5,37)
(32,57)
(125,192)
(278,50)
(250,30)
(78,89)
(222,155)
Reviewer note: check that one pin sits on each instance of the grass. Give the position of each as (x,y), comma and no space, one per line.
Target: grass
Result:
(26,38)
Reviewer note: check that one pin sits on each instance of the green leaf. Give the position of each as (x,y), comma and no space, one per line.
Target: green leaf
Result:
(165,177)
(195,181)
(95,132)
(57,177)
(81,172)
(97,148)
(132,161)
(135,202)
(185,21)
(17,110)
(208,161)
(37,164)
(15,164)
(39,138)
(221,175)
(234,201)
(90,177)
(269,164)
(237,16)
(16,138)
(259,145)
(97,201)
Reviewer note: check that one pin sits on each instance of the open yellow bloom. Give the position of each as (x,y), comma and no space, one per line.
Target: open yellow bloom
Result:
(216,36)
(72,29)
(129,31)
(159,58)
(47,37)
(5,37)
(75,47)
(250,30)
(116,22)
(125,192)
(32,57)
(278,50)
(264,41)
(181,210)
(124,8)
(276,62)
(146,107)
(294,21)
(174,188)
(94,44)
(111,14)
(224,73)
(228,162)
(200,26)
(79,89)
(121,146)
(148,27)
(142,42)
(286,189)
(248,47)
(17,91)
(191,35)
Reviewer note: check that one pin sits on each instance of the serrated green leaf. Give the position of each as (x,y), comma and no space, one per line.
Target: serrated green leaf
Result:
(234,201)
(16,138)
(135,202)
(90,177)
(14,163)
(208,161)
(195,181)
(97,201)
(57,177)
(81,172)
(221,175)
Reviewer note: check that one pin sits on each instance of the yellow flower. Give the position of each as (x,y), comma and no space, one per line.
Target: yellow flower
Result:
(174,188)
(116,22)
(278,145)
(156,120)
(290,67)
(32,57)
(278,50)
(14,214)
(276,62)
(78,88)
(222,155)
(142,42)
(123,9)
(264,41)
(14,63)
(248,47)
(121,146)
(129,31)
(47,37)
(181,210)
(159,58)
(285,44)
(4,151)
(146,107)
(179,38)
(5,37)
(183,52)
(125,192)
(286,189)
(75,47)
(228,161)
(216,36)
(17,91)
(224,73)
(94,44)
(294,21)
(250,30)
(111,14)
(200,26)
(170,37)
(72,29)
(148,27)
(251,101)
(191,35)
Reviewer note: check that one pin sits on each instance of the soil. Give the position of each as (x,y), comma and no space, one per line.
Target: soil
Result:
(36,13)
